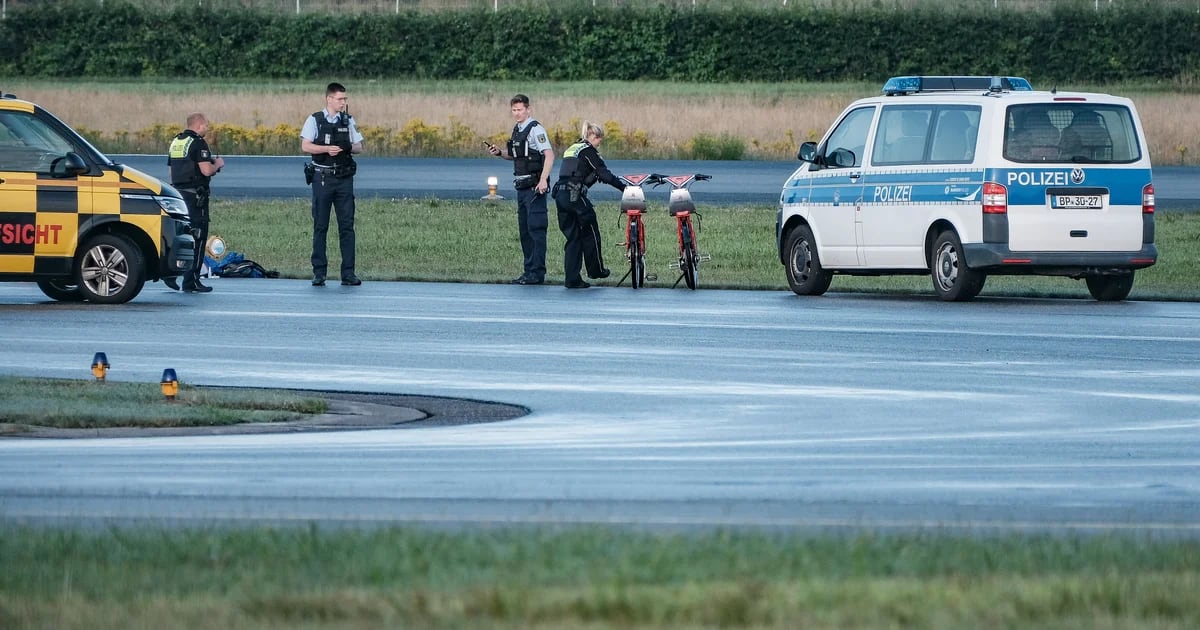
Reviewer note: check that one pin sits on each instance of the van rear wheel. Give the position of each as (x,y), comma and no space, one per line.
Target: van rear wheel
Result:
(805,275)
(953,280)
(110,270)
(1110,288)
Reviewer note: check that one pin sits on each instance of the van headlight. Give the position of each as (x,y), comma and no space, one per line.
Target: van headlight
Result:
(173,206)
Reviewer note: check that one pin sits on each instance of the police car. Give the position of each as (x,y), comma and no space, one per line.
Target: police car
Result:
(74,222)
(966,177)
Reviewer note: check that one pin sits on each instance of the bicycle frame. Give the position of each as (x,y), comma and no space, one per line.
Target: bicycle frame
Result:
(633,206)
(682,208)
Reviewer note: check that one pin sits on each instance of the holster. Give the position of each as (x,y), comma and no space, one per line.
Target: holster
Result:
(309,171)
(578,191)
(346,170)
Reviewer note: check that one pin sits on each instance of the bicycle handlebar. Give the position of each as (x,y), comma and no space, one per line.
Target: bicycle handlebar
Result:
(676,181)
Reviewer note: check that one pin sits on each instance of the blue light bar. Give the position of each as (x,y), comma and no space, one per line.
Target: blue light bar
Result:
(916,84)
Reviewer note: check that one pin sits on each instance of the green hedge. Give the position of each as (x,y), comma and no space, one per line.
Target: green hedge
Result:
(1068,44)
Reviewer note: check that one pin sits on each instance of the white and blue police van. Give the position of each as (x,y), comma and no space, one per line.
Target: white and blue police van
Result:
(966,177)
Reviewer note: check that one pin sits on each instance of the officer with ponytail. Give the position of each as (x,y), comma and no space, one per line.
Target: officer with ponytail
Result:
(582,166)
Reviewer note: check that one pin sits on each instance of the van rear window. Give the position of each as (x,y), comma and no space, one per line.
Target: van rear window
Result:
(1073,133)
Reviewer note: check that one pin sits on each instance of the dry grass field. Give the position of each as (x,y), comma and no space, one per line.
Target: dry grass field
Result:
(771,119)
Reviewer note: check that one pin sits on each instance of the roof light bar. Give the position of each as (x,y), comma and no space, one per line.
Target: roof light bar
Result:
(917,84)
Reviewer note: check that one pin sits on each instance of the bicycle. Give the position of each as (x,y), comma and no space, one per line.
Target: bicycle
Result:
(683,208)
(633,206)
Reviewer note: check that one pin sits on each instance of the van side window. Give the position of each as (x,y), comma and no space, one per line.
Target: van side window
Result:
(850,135)
(954,135)
(926,134)
(27,144)
(902,135)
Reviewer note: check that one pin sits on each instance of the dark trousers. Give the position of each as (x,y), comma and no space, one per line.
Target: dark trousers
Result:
(197,203)
(532,220)
(578,223)
(336,193)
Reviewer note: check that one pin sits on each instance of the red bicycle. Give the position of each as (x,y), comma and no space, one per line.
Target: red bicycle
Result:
(633,206)
(683,209)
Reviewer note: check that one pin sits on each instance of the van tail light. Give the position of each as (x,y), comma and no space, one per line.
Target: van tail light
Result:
(995,198)
(1148,199)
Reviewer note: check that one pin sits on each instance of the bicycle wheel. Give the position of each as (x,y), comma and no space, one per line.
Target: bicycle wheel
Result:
(637,258)
(689,260)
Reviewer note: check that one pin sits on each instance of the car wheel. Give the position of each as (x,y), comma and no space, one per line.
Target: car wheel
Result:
(60,290)
(953,280)
(1110,288)
(805,275)
(110,270)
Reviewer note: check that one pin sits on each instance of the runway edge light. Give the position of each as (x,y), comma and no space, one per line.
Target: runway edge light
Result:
(100,366)
(493,183)
(170,384)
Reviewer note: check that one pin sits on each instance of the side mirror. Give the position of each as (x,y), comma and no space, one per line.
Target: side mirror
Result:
(807,152)
(69,165)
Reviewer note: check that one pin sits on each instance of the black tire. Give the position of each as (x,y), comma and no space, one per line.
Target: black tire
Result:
(637,259)
(1110,288)
(953,280)
(805,275)
(689,262)
(109,270)
(60,290)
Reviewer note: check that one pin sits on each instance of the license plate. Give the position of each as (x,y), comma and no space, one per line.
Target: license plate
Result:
(1076,202)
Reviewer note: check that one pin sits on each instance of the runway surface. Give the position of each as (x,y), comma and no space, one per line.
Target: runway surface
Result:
(657,408)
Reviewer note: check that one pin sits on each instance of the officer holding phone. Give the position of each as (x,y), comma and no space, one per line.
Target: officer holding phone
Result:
(533,159)
(331,137)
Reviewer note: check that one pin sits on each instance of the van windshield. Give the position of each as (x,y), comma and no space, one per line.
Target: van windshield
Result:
(1074,133)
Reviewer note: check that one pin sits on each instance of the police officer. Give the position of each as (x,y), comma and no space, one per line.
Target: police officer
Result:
(192,166)
(533,159)
(332,137)
(582,166)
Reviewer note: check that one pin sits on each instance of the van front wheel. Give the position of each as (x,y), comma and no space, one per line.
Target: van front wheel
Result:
(805,275)
(952,279)
(110,270)
(1110,288)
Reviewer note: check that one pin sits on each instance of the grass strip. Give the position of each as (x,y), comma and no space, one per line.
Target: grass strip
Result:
(82,404)
(473,241)
(589,578)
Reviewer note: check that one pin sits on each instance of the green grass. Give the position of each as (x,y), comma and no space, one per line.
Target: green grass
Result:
(472,241)
(588,578)
(84,404)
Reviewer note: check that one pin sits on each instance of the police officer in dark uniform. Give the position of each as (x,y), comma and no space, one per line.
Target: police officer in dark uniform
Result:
(582,166)
(332,137)
(192,166)
(533,161)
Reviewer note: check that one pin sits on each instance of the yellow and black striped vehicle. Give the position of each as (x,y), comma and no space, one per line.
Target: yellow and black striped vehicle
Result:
(76,223)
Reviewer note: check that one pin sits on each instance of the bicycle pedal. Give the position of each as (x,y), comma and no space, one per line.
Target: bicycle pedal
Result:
(704,258)
(651,277)
(674,266)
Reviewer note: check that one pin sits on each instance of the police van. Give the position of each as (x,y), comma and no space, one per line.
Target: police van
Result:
(74,222)
(966,177)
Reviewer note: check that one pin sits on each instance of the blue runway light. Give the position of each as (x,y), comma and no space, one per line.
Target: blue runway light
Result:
(100,366)
(170,384)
